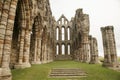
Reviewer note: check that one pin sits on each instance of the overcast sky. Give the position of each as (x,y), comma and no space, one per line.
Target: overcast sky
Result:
(101,13)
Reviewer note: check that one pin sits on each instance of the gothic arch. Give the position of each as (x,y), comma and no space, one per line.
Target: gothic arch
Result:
(68,33)
(63,49)
(57,49)
(69,49)
(63,33)
(57,29)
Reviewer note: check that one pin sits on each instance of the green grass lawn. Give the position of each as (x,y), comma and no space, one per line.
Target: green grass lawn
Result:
(40,72)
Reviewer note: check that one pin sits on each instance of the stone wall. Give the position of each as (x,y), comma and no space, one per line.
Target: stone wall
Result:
(62,37)
(19,21)
(80,33)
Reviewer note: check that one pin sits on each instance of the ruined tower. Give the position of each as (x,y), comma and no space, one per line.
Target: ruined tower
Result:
(80,33)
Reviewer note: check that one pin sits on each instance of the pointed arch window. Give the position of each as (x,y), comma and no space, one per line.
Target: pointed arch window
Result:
(68,49)
(57,33)
(68,33)
(63,33)
(57,49)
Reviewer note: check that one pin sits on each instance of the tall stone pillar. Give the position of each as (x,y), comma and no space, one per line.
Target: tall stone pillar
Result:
(85,48)
(93,50)
(110,55)
(85,34)
(44,46)
(37,43)
(35,48)
(1,5)
(21,47)
(26,52)
(6,27)
(38,50)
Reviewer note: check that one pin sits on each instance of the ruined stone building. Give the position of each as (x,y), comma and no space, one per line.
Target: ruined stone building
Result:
(29,34)
(63,39)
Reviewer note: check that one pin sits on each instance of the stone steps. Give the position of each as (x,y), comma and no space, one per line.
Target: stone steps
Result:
(64,72)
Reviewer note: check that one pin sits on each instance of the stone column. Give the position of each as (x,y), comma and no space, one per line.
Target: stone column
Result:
(38,49)
(93,50)
(35,49)
(7,22)
(1,5)
(112,45)
(37,44)
(85,33)
(42,51)
(85,48)
(44,46)
(24,50)
(104,44)
(45,53)
(110,55)
(3,23)
(21,47)
(28,25)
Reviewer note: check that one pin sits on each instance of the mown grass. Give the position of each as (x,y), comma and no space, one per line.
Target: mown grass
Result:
(40,72)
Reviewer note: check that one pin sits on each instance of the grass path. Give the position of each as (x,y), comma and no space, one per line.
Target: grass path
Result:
(40,72)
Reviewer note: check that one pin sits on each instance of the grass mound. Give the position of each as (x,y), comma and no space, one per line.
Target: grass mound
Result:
(40,72)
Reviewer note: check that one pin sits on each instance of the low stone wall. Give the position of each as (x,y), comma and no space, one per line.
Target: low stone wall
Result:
(63,57)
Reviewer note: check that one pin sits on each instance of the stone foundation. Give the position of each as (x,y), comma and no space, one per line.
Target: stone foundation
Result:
(63,57)
(22,66)
(5,74)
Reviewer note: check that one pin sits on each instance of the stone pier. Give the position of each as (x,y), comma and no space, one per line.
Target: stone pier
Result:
(109,45)
(93,50)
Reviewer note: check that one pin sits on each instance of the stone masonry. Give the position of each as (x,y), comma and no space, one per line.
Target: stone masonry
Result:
(109,45)
(93,50)
(62,39)
(80,34)
(25,34)
(29,34)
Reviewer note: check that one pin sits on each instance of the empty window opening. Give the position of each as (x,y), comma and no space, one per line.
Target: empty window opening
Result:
(63,33)
(57,49)
(63,49)
(66,22)
(58,22)
(68,49)
(62,21)
(57,34)
(68,33)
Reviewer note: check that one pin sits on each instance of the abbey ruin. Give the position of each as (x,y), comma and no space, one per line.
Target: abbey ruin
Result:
(29,34)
